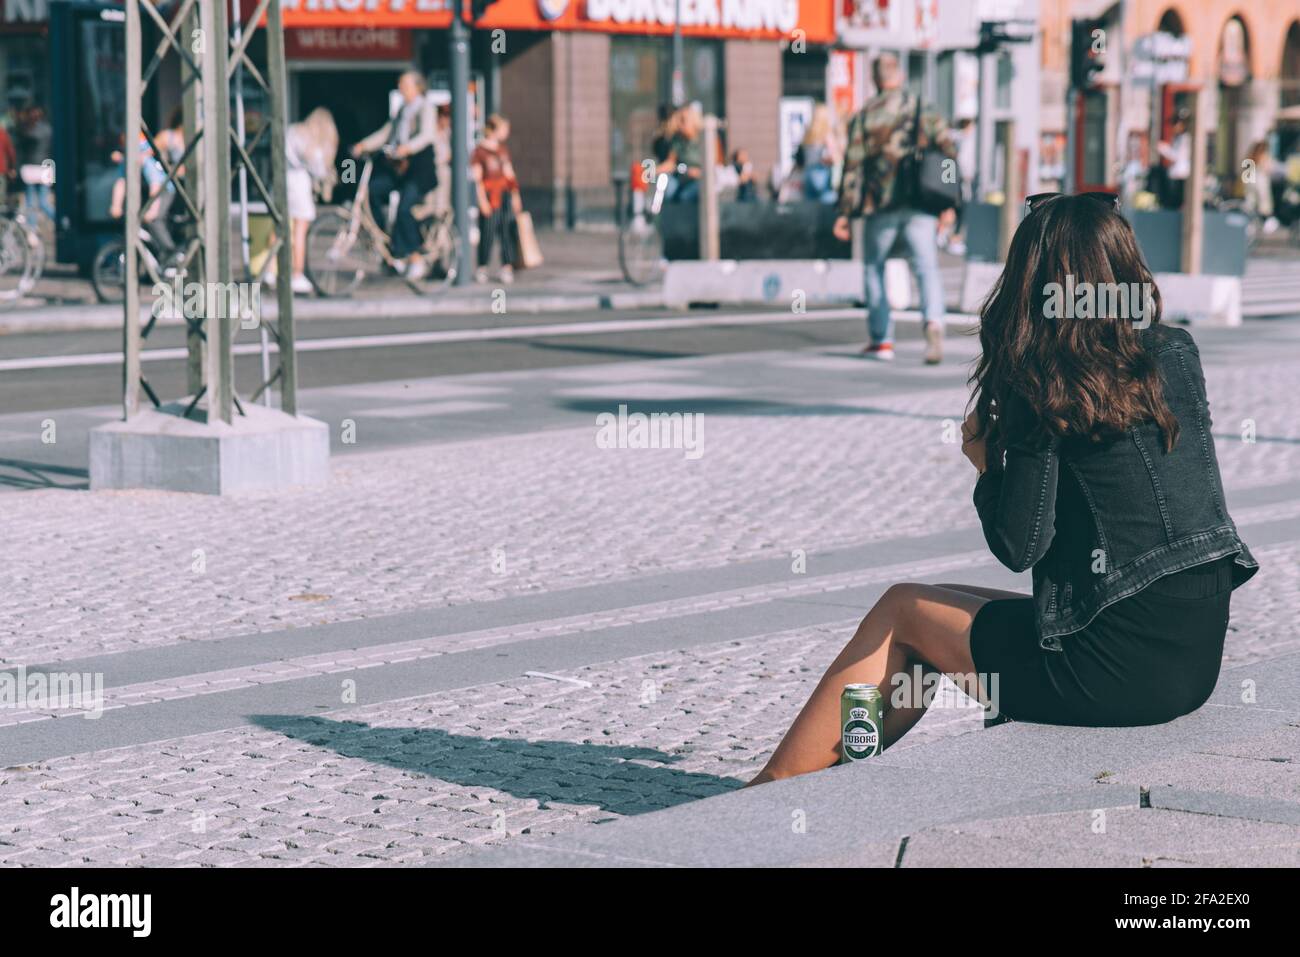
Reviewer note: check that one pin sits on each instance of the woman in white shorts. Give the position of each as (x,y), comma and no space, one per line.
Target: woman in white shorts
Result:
(309,150)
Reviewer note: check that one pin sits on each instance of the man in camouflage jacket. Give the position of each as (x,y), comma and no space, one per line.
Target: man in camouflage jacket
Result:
(880,135)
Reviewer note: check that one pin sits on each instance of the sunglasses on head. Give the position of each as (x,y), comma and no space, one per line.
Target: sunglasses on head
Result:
(1033,202)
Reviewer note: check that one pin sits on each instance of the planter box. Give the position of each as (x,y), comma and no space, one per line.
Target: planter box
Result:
(755,231)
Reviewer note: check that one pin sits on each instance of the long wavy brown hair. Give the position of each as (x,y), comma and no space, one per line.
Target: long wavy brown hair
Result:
(1090,377)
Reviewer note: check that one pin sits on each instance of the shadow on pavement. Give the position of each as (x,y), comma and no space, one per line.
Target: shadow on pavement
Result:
(37,475)
(610,350)
(545,771)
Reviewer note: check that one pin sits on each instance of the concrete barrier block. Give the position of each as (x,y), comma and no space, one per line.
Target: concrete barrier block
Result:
(262,450)
(775,281)
(763,281)
(1200,299)
(977,279)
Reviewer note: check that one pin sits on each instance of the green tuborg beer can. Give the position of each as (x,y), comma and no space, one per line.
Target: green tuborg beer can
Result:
(860,737)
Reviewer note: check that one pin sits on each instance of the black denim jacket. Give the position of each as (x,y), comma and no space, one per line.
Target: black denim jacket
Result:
(1098,522)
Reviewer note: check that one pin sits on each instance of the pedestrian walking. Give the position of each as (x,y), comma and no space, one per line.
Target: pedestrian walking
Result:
(310,147)
(819,156)
(498,198)
(966,163)
(1259,188)
(442,159)
(746,183)
(1176,154)
(886,131)
(32,144)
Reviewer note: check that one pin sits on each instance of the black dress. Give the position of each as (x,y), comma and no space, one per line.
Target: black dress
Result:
(1146,659)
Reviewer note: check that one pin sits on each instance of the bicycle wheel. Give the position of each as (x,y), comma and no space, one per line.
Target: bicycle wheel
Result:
(640,251)
(16,260)
(336,261)
(441,251)
(108,271)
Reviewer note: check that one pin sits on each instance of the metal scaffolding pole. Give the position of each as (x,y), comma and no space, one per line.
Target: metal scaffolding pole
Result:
(131,325)
(208,441)
(214,48)
(458,39)
(214,154)
(277,90)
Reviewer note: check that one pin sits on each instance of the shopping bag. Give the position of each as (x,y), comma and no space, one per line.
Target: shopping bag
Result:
(530,252)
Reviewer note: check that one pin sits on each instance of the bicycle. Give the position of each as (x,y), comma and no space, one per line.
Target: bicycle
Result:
(108,268)
(640,243)
(22,253)
(346,244)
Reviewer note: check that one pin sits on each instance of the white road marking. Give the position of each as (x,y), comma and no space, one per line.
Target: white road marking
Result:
(550,677)
(464,335)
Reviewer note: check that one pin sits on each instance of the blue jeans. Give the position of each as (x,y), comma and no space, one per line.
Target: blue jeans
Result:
(38,200)
(880,231)
(687,190)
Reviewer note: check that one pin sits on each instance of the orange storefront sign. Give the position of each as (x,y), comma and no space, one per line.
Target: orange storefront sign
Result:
(810,20)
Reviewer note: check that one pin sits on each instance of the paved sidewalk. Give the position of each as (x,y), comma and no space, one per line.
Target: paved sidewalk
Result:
(462,642)
(580,272)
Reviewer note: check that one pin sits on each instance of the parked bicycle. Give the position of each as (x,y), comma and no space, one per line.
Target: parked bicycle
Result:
(640,242)
(346,244)
(22,254)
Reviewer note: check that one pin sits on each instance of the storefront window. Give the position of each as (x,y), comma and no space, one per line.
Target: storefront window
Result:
(640,80)
(1006,76)
(804,74)
(635,96)
(945,82)
(23,76)
(101,114)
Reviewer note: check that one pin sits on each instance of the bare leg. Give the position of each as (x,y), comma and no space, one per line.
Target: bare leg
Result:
(299,245)
(925,624)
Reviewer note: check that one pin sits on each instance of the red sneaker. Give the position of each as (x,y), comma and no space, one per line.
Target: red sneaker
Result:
(882,352)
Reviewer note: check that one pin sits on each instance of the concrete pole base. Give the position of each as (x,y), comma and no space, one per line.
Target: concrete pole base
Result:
(263,450)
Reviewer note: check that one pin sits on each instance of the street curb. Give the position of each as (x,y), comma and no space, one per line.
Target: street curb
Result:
(77,318)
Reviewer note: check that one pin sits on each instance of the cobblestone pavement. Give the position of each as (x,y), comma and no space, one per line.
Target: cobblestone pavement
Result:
(471,521)
(406,779)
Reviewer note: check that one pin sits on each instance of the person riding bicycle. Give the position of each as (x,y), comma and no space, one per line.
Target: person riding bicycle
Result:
(685,156)
(156,205)
(407,142)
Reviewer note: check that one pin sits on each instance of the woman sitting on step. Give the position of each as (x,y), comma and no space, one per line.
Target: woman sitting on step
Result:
(1090,431)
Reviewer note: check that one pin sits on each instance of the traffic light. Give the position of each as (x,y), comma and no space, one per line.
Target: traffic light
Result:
(1087,52)
(477,8)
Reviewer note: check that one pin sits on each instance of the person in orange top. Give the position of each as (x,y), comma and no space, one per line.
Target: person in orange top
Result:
(494,181)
